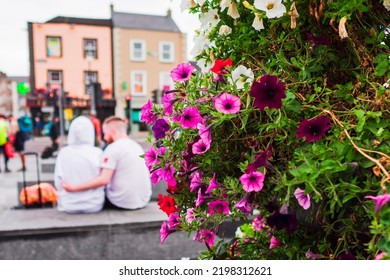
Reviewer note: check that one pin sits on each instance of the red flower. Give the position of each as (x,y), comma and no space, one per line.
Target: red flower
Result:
(167,204)
(220,65)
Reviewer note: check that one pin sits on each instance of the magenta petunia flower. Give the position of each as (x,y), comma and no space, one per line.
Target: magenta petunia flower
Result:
(202,197)
(160,128)
(205,132)
(260,160)
(268,92)
(168,174)
(165,230)
(173,220)
(147,115)
(303,199)
(258,223)
(168,100)
(196,181)
(200,147)
(151,157)
(213,184)
(253,181)
(205,236)
(218,206)
(310,255)
(313,129)
(244,205)
(227,103)
(274,243)
(190,118)
(379,200)
(155,176)
(182,72)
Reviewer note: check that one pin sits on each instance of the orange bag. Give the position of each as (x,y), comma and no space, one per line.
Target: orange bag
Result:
(48,194)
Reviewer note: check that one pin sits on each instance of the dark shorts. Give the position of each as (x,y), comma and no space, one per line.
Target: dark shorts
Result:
(20,139)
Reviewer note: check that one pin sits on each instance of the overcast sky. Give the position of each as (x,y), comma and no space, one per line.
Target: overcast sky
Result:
(14,15)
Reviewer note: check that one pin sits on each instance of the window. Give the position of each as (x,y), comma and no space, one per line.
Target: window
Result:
(53,46)
(89,78)
(167,52)
(137,50)
(166,82)
(55,77)
(90,48)
(138,83)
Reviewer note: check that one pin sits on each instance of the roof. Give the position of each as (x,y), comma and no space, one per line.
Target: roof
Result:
(18,78)
(144,22)
(83,21)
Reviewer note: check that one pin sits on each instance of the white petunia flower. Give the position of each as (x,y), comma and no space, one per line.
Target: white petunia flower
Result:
(239,233)
(342,29)
(224,30)
(272,8)
(224,4)
(201,2)
(186,4)
(242,75)
(209,19)
(204,65)
(233,11)
(386,3)
(201,42)
(258,22)
(386,85)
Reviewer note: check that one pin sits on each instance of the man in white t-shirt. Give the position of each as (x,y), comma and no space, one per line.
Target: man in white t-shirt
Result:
(123,170)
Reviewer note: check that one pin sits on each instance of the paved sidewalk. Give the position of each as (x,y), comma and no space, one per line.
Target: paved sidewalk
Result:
(8,181)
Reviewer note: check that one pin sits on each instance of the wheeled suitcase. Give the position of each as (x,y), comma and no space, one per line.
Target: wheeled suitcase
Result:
(40,194)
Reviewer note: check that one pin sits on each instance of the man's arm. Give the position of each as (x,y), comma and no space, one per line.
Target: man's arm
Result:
(101,180)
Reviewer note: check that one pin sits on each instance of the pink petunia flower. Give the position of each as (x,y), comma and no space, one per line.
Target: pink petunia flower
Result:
(303,199)
(173,220)
(380,256)
(190,215)
(182,72)
(168,100)
(205,236)
(274,243)
(258,223)
(147,115)
(205,132)
(218,206)
(202,197)
(200,147)
(190,118)
(244,204)
(253,181)
(213,184)
(227,103)
(151,157)
(379,200)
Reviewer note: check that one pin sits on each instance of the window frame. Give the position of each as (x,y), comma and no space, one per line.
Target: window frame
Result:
(86,85)
(133,83)
(171,51)
(142,58)
(165,76)
(47,46)
(50,81)
(86,50)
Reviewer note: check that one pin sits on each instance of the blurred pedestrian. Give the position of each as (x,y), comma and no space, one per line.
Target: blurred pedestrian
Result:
(17,138)
(3,141)
(98,129)
(55,133)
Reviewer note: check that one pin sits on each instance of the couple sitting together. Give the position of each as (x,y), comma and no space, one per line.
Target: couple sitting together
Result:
(88,179)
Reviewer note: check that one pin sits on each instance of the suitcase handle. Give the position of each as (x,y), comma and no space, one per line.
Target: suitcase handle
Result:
(38,178)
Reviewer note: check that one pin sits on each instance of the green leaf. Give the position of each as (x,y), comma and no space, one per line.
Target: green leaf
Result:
(361,119)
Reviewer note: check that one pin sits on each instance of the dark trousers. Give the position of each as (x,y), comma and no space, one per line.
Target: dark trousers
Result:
(6,158)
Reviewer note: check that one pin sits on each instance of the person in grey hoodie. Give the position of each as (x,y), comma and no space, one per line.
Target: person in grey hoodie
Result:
(77,163)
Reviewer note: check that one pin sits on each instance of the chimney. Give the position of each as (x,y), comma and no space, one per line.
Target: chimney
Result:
(169,13)
(112,8)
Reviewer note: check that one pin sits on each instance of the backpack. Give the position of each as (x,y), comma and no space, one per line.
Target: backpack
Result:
(25,124)
(3,133)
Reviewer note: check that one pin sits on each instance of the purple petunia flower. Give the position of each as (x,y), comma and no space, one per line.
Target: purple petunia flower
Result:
(190,118)
(252,182)
(213,184)
(313,129)
(173,220)
(168,100)
(268,92)
(202,197)
(205,236)
(379,200)
(285,218)
(196,181)
(165,230)
(218,206)
(200,147)
(227,103)
(303,199)
(160,128)
(274,243)
(147,115)
(182,72)
(244,205)
(310,255)
(260,160)
(168,174)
